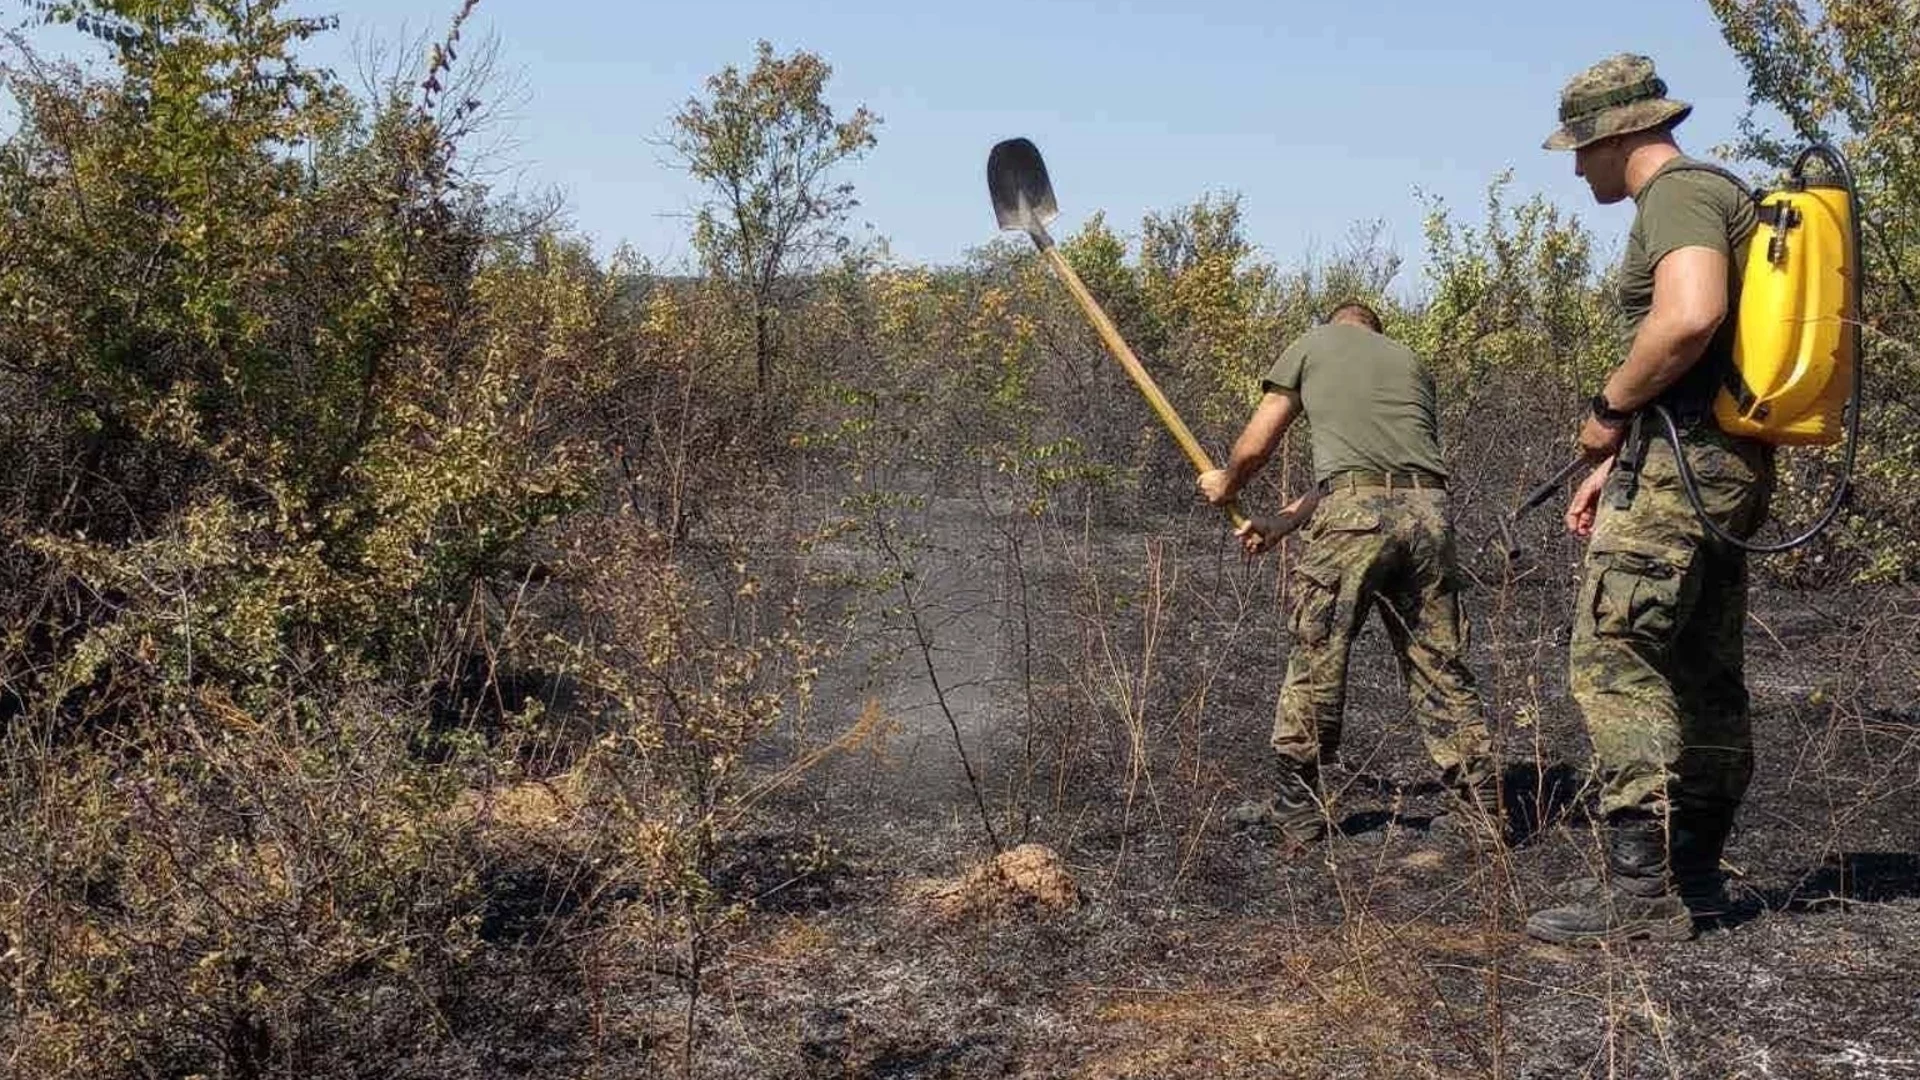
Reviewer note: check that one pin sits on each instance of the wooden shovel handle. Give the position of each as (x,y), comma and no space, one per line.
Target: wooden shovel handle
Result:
(1118,347)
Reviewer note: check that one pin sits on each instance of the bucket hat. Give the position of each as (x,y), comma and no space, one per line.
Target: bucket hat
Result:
(1616,96)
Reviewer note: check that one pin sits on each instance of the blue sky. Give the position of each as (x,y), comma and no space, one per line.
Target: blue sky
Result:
(1320,115)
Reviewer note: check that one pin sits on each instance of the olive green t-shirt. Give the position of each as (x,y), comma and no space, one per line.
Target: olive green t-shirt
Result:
(1367,398)
(1684,205)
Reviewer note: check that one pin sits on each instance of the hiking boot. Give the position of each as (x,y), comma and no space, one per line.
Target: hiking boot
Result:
(1705,896)
(1294,809)
(1698,838)
(1639,901)
(1614,917)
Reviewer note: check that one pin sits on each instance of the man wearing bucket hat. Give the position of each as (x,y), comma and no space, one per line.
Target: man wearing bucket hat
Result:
(1655,660)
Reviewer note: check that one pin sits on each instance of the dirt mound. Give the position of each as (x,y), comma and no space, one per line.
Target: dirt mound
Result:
(1029,877)
(535,810)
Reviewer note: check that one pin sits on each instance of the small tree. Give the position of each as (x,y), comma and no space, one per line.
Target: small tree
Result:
(765,145)
(1213,300)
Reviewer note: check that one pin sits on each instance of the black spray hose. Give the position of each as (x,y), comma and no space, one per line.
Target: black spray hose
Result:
(1839,165)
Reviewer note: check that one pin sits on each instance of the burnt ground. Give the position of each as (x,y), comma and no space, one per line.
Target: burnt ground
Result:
(1127,709)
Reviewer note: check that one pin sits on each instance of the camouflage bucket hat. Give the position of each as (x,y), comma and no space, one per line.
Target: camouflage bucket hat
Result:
(1618,95)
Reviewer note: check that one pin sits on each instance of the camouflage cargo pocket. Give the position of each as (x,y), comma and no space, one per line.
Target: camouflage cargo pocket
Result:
(1316,599)
(1634,587)
(1342,514)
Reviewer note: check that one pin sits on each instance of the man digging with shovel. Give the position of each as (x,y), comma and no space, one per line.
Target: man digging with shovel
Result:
(1377,537)
(1378,532)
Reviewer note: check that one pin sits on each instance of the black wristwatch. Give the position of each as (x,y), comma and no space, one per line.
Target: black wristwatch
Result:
(1606,413)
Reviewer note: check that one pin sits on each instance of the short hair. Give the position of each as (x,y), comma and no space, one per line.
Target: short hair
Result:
(1354,311)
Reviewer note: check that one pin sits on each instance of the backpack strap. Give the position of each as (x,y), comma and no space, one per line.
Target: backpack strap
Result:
(1691,165)
(1766,212)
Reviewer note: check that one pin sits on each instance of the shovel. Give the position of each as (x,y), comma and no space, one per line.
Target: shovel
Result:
(1538,495)
(1023,200)
(1546,489)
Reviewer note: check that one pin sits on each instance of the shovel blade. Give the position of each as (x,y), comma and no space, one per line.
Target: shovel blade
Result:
(1017,180)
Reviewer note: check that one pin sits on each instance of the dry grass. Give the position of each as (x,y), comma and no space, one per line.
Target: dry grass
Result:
(1355,1000)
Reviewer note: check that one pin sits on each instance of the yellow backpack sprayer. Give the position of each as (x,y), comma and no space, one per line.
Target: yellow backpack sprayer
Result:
(1795,375)
(1796,347)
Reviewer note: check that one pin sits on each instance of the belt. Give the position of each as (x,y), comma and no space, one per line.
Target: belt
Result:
(1361,478)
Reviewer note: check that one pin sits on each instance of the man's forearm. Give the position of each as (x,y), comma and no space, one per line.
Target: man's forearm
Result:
(1252,449)
(1249,454)
(1257,440)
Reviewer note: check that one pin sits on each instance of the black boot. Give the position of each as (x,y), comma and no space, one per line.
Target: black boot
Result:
(1699,838)
(1639,901)
(1295,808)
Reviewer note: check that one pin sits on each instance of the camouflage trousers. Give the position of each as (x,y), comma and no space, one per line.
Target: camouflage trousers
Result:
(1368,549)
(1656,658)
